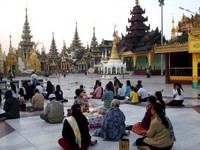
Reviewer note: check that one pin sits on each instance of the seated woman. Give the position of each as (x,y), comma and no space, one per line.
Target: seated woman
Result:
(128,88)
(83,93)
(75,133)
(120,92)
(142,127)
(159,99)
(50,89)
(11,107)
(113,126)
(15,90)
(98,91)
(59,94)
(133,96)
(107,98)
(160,135)
(78,99)
(178,97)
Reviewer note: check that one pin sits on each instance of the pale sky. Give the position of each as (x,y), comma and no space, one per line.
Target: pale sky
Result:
(60,17)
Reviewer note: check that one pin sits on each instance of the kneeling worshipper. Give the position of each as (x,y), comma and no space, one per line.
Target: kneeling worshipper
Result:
(11,107)
(160,135)
(142,127)
(75,133)
(113,126)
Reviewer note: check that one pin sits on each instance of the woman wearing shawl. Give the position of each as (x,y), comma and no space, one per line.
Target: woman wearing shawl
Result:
(75,131)
(113,126)
(160,135)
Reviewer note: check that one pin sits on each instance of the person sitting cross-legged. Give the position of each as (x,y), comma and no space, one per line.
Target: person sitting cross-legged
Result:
(11,107)
(54,111)
(59,94)
(113,126)
(75,133)
(120,92)
(134,99)
(160,135)
(142,127)
(37,101)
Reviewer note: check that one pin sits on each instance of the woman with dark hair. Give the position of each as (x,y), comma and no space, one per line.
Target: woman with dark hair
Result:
(160,135)
(75,131)
(107,98)
(78,99)
(178,97)
(159,99)
(50,89)
(14,90)
(112,88)
(11,107)
(128,88)
(142,127)
(59,94)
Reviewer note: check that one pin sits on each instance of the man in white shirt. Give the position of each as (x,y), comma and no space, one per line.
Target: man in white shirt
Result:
(120,93)
(40,88)
(143,94)
(34,78)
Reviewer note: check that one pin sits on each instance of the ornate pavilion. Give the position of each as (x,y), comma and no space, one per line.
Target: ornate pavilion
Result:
(182,53)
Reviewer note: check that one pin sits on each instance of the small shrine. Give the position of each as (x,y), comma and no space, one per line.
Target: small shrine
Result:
(114,64)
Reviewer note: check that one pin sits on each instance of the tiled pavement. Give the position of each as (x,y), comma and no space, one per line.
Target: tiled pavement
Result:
(31,133)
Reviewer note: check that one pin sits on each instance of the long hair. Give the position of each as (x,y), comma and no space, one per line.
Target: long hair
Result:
(128,83)
(13,87)
(158,94)
(159,110)
(57,87)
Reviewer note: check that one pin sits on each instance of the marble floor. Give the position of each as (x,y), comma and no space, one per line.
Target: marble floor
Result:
(31,133)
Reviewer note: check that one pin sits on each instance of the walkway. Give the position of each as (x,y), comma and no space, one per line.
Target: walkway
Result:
(31,133)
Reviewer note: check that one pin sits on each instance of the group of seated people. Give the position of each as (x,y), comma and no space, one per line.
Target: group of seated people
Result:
(36,96)
(155,127)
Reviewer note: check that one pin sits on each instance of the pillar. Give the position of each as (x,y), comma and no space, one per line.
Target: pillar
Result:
(195,71)
(134,61)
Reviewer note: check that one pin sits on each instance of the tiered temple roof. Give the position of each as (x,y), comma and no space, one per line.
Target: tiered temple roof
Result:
(53,52)
(26,45)
(138,37)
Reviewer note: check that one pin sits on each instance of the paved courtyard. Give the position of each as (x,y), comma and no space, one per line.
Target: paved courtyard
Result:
(31,133)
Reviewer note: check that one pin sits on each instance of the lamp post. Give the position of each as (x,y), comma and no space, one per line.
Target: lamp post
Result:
(161,4)
(187,10)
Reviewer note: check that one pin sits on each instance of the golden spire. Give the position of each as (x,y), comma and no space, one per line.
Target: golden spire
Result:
(114,52)
(136,2)
(173,30)
(10,46)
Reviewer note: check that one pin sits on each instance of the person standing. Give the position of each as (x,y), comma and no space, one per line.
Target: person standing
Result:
(1,75)
(11,107)
(54,111)
(10,75)
(34,78)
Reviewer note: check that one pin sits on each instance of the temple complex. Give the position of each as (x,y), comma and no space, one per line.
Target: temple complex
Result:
(136,51)
(182,53)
